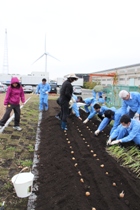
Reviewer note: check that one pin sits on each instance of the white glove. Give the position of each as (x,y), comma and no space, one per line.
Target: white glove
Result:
(85,121)
(46,92)
(108,142)
(97,132)
(70,104)
(73,100)
(115,142)
(103,115)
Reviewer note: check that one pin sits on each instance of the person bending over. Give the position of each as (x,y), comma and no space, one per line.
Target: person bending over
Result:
(96,109)
(128,130)
(110,114)
(131,100)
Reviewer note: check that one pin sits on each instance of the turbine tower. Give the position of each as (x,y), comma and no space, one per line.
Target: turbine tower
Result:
(45,54)
(5,59)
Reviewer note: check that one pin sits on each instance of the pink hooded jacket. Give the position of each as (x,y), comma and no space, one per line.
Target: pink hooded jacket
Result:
(14,94)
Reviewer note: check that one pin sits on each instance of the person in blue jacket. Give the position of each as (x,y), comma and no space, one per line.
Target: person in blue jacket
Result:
(74,105)
(96,109)
(94,93)
(100,94)
(132,100)
(88,104)
(43,89)
(110,114)
(101,100)
(128,130)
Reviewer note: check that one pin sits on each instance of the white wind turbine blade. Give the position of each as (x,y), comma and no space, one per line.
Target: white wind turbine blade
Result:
(39,58)
(51,55)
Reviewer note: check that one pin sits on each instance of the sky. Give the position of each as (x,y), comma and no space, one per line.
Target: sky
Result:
(84,35)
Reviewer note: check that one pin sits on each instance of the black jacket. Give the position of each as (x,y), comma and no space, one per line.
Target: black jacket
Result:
(66,92)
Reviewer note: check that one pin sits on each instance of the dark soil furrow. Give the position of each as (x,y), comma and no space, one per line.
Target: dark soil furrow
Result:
(59,181)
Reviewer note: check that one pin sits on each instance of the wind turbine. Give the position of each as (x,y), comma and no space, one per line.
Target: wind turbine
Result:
(45,54)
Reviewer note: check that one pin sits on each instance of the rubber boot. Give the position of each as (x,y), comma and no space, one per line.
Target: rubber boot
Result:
(64,125)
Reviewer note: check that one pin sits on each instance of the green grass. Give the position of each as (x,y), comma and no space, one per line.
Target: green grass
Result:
(16,152)
(128,157)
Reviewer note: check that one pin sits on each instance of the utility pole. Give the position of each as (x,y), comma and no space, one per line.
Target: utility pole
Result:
(5,58)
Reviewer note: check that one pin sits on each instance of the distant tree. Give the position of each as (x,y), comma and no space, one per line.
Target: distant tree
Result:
(90,85)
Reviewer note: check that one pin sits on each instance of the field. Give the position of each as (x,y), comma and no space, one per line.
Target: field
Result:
(76,172)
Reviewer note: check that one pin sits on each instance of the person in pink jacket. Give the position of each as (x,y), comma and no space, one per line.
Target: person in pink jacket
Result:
(13,96)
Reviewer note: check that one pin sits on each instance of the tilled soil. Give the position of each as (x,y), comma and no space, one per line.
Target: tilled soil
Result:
(65,177)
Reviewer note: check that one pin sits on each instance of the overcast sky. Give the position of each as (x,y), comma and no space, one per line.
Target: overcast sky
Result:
(85,35)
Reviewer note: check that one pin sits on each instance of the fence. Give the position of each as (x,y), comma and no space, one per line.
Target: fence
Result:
(112,94)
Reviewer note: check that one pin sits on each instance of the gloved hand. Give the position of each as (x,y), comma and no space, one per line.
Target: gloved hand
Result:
(108,142)
(103,115)
(97,132)
(70,104)
(115,142)
(46,92)
(73,100)
(85,121)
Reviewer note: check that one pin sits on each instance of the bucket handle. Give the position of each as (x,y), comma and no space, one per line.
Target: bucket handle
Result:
(24,169)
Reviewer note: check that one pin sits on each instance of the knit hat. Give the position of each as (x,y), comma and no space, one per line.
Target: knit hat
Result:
(123,93)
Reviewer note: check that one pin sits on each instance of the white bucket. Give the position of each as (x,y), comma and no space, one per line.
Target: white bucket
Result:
(23,184)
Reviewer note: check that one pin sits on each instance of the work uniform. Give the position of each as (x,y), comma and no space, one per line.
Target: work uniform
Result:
(133,103)
(116,117)
(89,104)
(43,90)
(128,134)
(101,100)
(74,106)
(100,113)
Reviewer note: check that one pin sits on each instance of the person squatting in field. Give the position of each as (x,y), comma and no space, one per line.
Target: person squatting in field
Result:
(132,100)
(13,96)
(65,97)
(43,89)
(128,130)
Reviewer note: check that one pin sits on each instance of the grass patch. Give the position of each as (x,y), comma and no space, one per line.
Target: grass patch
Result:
(128,157)
(16,152)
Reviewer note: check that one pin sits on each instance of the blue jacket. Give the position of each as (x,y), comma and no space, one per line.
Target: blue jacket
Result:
(133,103)
(128,134)
(75,108)
(101,100)
(43,88)
(93,112)
(94,93)
(100,93)
(116,118)
(89,104)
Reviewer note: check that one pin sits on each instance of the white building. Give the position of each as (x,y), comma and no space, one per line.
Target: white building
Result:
(31,79)
(127,75)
